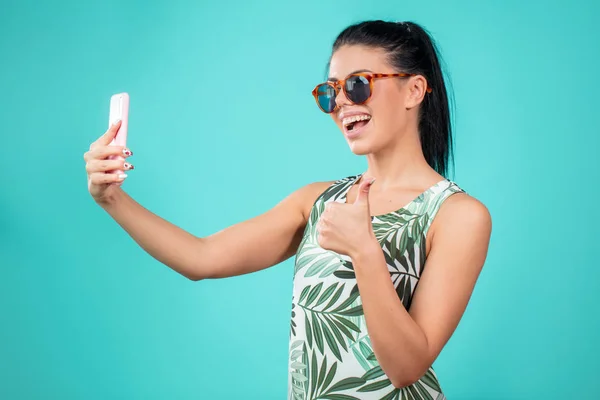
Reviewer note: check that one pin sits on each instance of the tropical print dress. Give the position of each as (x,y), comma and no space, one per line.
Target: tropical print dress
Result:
(330,353)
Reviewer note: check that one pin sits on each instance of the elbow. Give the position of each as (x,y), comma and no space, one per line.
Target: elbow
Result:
(406,378)
(202,272)
(197,267)
(196,276)
(402,382)
(191,274)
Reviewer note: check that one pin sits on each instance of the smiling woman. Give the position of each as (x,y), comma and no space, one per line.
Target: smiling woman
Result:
(356,333)
(386,260)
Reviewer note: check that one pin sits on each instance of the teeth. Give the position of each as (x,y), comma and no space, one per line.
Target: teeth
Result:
(355,118)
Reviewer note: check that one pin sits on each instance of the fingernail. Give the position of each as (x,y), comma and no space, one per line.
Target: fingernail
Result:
(116,122)
(128,166)
(122,176)
(372,181)
(127,152)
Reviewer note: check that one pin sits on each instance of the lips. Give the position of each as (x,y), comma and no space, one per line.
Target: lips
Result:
(354,123)
(355,119)
(355,129)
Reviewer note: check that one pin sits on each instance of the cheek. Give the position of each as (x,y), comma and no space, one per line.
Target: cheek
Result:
(336,121)
(382,101)
(384,115)
(387,110)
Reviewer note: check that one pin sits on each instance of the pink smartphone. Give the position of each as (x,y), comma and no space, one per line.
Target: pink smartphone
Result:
(119,109)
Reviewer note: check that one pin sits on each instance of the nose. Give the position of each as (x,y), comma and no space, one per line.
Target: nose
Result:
(340,98)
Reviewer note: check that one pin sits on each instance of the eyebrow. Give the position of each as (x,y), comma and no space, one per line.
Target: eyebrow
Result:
(333,79)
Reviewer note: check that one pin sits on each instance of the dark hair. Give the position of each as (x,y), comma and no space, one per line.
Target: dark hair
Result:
(411,49)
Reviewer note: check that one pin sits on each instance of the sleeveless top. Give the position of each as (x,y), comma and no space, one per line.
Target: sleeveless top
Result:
(330,352)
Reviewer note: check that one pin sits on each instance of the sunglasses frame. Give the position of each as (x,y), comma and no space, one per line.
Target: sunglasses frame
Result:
(342,83)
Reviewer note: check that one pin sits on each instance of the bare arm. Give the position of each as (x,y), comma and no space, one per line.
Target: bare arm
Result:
(407,343)
(248,246)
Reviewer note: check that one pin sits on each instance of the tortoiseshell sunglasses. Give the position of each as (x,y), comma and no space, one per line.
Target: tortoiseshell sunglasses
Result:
(358,88)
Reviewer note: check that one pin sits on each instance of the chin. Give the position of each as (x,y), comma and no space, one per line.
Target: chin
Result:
(360,148)
(361,144)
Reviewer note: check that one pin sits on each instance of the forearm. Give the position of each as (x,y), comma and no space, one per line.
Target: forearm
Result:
(163,240)
(398,342)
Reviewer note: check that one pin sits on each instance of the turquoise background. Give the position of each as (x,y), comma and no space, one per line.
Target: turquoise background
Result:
(223,127)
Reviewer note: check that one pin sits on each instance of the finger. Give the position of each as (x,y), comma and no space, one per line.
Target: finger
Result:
(363,192)
(109,135)
(100,178)
(102,152)
(103,166)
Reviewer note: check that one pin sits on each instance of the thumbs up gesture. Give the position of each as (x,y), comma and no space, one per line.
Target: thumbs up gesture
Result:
(346,228)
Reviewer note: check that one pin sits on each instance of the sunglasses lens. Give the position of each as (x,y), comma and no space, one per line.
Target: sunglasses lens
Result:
(358,89)
(326,97)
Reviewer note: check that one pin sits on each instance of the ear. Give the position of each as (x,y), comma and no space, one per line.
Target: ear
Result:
(416,91)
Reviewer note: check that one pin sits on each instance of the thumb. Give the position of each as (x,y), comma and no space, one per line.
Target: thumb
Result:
(363,192)
(110,134)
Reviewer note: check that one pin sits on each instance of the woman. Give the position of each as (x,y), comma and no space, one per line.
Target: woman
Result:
(386,261)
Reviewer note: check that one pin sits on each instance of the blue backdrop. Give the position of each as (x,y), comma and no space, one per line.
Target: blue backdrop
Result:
(222,127)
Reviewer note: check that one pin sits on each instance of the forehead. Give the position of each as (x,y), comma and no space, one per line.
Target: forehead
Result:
(349,59)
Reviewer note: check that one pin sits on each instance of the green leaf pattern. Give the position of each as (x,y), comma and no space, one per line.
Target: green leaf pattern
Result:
(331,355)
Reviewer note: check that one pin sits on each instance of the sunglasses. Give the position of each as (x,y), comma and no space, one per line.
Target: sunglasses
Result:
(358,88)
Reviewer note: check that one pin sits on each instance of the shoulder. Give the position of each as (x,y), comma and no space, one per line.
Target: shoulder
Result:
(306,196)
(462,215)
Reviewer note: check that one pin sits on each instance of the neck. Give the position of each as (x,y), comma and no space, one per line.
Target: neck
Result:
(401,164)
